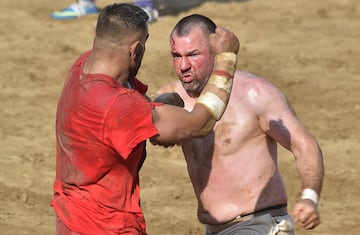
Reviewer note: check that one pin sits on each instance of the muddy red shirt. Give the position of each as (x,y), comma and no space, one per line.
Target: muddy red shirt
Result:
(101,129)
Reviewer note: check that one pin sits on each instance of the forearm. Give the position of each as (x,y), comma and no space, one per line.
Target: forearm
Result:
(311,168)
(216,93)
(175,124)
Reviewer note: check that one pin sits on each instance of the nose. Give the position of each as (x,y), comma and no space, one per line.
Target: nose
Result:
(185,64)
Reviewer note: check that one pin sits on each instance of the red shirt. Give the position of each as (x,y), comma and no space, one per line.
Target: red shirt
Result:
(101,129)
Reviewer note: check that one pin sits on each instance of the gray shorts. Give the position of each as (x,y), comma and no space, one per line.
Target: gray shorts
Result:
(260,225)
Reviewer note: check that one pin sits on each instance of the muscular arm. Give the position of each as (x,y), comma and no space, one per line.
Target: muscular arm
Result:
(175,124)
(279,121)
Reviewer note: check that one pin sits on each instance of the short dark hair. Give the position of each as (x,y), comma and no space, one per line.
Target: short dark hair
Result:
(119,19)
(188,23)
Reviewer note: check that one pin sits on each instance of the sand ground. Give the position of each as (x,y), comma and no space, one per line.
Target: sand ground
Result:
(310,49)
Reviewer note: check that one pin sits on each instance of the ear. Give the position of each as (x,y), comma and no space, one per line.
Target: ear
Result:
(136,51)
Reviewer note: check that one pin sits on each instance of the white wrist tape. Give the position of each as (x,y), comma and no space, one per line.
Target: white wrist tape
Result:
(310,194)
(214,104)
(230,56)
(221,82)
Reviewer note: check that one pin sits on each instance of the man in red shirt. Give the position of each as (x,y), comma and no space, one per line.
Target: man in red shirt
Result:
(103,121)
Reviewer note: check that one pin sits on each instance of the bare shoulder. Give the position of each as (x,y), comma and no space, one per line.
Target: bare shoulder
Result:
(255,90)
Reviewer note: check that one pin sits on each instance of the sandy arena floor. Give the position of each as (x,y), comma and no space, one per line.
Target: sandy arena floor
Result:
(310,49)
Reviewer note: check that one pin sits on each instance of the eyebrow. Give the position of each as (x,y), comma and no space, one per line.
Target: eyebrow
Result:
(192,52)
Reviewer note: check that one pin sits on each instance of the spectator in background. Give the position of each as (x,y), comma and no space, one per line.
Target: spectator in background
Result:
(87,7)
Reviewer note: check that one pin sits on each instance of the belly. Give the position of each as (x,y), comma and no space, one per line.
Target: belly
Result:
(229,193)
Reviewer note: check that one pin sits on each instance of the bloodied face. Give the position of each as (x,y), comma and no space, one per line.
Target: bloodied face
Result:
(192,60)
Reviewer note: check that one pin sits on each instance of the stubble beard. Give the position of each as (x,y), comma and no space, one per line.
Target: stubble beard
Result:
(193,88)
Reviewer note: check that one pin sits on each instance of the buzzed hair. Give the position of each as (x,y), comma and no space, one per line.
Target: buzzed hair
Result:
(117,20)
(188,23)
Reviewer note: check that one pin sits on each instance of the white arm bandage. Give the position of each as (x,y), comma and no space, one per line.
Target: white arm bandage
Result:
(310,194)
(216,93)
(213,103)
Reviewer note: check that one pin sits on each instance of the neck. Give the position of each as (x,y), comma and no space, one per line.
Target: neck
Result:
(107,62)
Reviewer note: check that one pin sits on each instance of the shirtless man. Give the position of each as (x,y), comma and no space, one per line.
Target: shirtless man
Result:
(234,169)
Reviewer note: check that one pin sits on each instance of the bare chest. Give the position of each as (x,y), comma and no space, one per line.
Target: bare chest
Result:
(236,129)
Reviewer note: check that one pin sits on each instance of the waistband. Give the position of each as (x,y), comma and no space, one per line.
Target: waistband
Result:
(277,210)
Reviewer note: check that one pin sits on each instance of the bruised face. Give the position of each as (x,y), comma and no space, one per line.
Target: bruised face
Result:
(192,60)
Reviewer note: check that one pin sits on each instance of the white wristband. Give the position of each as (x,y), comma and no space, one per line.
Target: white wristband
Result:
(310,194)
(214,104)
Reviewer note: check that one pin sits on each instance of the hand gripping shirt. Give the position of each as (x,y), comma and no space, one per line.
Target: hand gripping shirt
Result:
(101,129)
